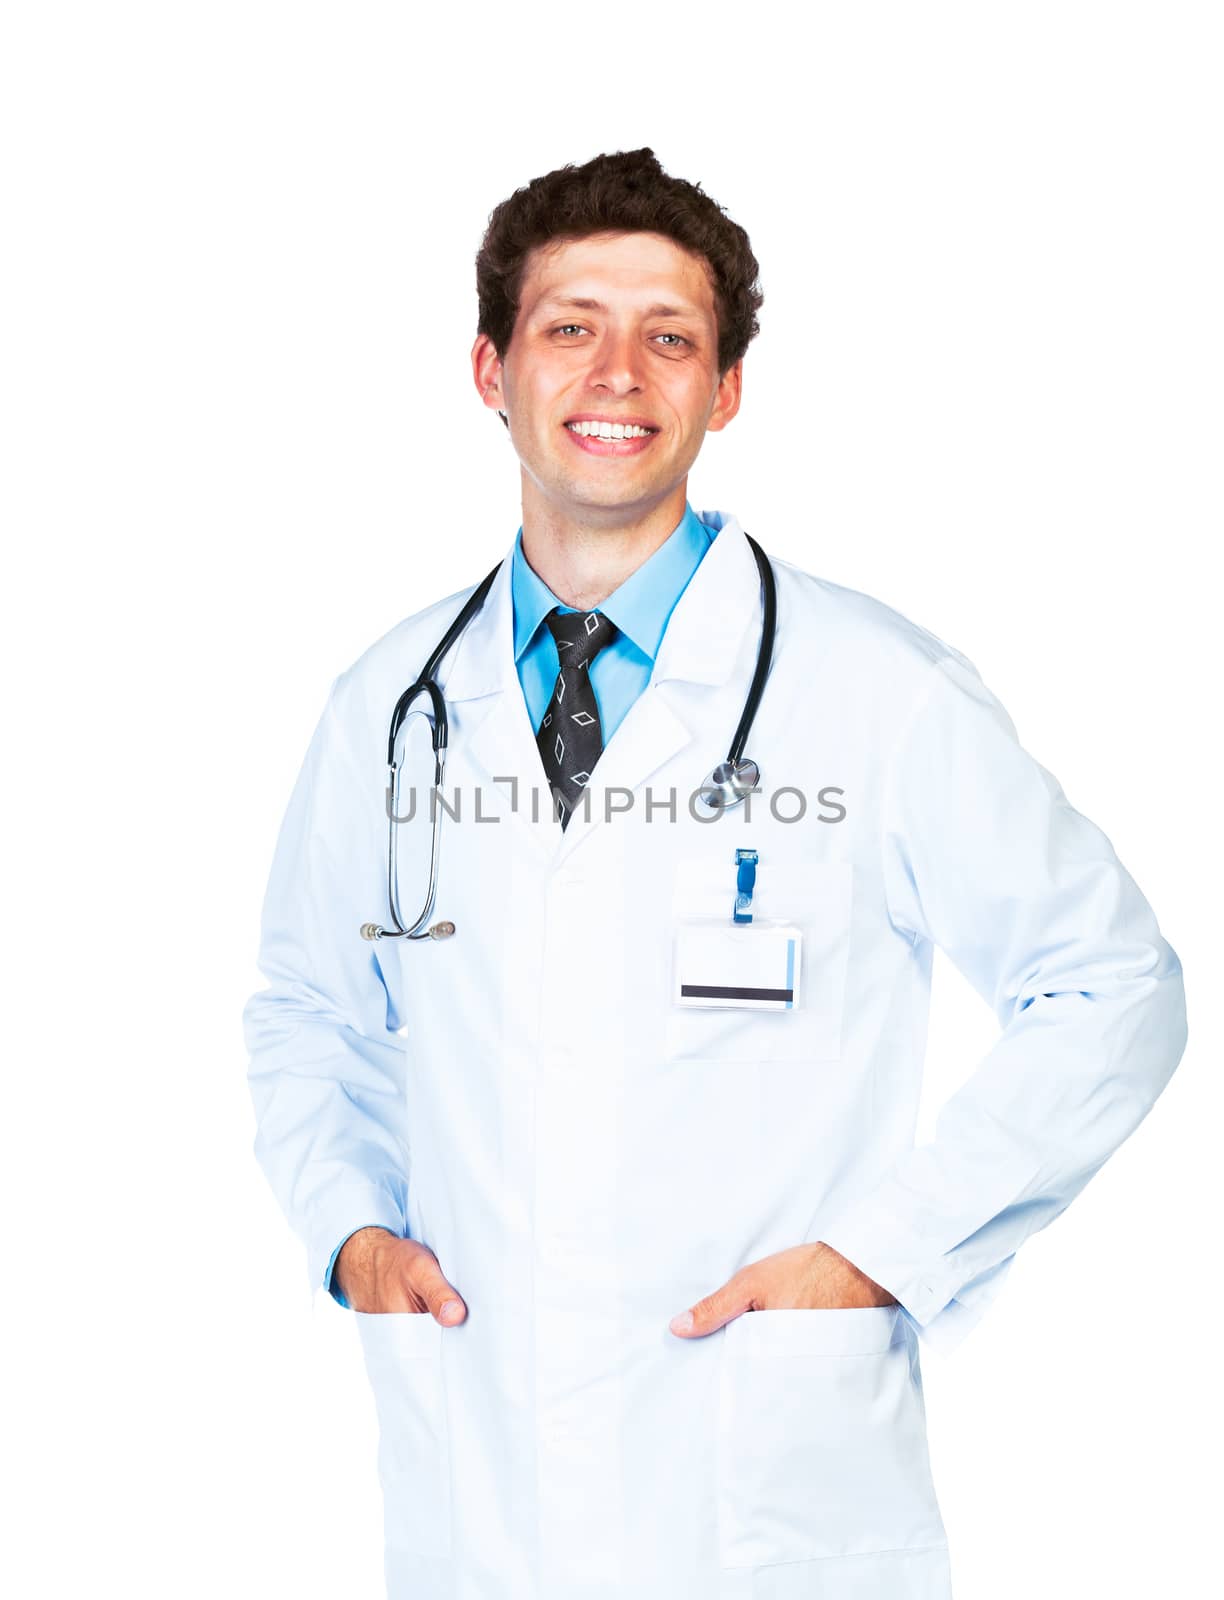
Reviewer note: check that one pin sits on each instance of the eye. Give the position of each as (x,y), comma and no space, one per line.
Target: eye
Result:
(679,336)
(565,328)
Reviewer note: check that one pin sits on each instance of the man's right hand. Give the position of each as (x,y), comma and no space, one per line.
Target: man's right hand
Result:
(378,1271)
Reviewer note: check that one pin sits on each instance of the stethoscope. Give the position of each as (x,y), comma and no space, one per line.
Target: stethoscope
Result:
(731,781)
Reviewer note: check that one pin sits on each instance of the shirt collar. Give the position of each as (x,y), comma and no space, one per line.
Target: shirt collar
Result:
(639,607)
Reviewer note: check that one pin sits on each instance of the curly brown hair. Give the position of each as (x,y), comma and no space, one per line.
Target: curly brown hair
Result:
(622,192)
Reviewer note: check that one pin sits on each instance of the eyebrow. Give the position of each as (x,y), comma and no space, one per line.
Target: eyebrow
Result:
(597,305)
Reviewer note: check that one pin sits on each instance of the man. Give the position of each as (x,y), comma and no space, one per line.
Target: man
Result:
(640,1283)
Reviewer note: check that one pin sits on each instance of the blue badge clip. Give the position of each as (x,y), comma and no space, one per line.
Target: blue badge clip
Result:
(745,883)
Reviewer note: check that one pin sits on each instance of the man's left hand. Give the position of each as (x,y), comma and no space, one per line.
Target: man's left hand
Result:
(807,1277)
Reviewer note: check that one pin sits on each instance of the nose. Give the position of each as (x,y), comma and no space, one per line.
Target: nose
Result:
(617,365)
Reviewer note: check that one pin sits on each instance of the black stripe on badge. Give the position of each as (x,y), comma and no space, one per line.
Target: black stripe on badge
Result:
(721,991)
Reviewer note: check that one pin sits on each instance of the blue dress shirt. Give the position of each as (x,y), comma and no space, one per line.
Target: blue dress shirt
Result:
(640,608)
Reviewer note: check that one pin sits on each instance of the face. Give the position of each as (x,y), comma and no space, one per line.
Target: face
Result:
(620,328)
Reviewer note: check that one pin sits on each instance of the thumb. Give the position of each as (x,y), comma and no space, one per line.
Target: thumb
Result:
(445,1302)
(442,1300)
(710,1314)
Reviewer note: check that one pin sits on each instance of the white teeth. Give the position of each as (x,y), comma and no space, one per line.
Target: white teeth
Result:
(608,430)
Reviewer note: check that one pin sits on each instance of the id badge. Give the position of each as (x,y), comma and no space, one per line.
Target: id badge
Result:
(753,966)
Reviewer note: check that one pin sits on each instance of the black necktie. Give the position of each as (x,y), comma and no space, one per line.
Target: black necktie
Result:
(569,736)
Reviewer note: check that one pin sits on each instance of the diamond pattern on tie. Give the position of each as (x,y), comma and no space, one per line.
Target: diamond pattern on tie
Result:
(570,737)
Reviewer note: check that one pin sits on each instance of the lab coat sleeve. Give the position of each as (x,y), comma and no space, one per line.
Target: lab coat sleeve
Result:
(984,856)
(326,1065)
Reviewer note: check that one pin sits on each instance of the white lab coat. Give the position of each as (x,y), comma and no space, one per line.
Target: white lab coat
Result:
(585,1159)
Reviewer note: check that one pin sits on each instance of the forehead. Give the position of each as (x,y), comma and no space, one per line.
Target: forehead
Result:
(646,271)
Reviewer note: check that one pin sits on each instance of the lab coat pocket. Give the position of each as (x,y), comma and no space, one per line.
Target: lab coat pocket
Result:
(403,1356)
(822,1447)
(816,896)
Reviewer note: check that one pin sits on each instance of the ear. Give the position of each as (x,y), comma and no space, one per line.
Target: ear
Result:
(727,400)
(487,374)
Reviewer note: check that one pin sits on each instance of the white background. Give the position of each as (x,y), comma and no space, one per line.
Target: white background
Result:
(241,440)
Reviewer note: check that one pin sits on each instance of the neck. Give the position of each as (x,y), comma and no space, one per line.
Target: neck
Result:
(584,556)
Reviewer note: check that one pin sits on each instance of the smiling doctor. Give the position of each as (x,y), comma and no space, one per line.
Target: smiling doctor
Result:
(640,1273)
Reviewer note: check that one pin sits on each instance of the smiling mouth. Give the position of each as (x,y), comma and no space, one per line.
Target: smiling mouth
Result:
(589,428)
(630,442)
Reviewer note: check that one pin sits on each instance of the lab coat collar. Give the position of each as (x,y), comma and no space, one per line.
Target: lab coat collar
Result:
(702,645)
(699,644)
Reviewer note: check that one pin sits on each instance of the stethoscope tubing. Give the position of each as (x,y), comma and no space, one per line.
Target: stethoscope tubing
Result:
(426,684)
(425,678)
(769,620)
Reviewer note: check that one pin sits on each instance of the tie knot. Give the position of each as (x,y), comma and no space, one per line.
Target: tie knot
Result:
(579,635)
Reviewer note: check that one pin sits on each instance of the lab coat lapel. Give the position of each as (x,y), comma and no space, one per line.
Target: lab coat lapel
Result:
(493,742)
(704,635)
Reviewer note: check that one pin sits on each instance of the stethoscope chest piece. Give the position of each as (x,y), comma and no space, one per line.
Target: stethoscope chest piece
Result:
(729,785)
